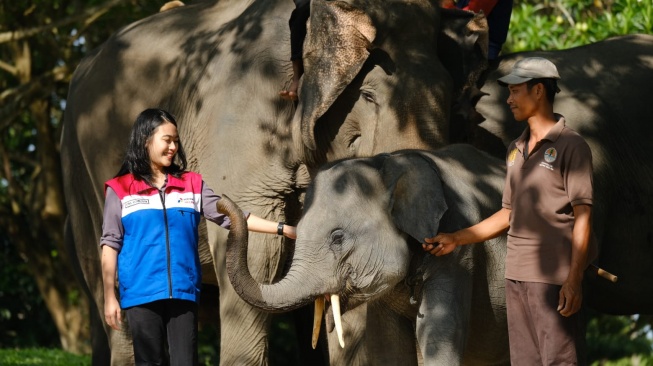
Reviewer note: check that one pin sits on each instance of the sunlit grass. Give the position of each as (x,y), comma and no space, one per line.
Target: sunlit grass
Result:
(41,356)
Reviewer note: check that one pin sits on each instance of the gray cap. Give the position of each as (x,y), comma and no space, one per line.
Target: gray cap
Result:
(530,68)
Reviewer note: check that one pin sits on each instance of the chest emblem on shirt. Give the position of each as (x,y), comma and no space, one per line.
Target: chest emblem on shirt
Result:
(550,155)
(137,201)
(186,200)
(512,157)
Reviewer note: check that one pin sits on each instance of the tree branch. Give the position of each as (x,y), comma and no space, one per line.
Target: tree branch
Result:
(7,67)
(88,16)
(9,99)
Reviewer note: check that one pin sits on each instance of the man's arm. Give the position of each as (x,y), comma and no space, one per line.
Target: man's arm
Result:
(487,229)
(571,294)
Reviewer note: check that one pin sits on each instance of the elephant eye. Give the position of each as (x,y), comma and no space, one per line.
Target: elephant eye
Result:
(368,96)
(337,237)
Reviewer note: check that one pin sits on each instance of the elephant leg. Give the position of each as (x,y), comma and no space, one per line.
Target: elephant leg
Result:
(354,323)
(443,317)
(374,335)
(101,355)
(120,342)
(390,337)
(243,329)
(122,349)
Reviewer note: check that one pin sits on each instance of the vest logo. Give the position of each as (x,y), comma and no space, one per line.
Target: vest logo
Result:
(512,157)
(550,155)
(134,202)
(186,200)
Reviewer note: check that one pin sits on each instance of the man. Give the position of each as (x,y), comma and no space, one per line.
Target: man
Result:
(546,204)
(497,13)
(297,24)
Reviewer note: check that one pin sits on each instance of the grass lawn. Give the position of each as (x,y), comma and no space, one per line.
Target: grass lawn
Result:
(41,356)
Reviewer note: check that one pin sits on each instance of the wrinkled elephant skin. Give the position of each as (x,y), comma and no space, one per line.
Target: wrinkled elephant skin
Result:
(218,67)
(359,238)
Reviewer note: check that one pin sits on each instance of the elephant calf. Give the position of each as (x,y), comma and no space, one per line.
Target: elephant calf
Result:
(359,239)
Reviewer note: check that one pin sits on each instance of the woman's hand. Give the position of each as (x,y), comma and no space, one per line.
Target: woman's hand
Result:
(112,313)
(290,232)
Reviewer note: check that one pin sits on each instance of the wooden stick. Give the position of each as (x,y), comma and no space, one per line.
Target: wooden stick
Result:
(603,273)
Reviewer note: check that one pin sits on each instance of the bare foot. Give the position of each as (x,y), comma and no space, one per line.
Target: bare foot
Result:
(291,93)
(288,95)
(298,70)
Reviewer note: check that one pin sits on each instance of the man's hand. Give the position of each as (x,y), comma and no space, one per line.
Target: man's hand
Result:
(445,244)
(571,297)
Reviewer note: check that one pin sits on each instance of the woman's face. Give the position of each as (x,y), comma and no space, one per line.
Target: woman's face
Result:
(162,146)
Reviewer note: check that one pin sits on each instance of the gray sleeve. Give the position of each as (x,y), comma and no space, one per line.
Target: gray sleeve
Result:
(112,229)
(210,209)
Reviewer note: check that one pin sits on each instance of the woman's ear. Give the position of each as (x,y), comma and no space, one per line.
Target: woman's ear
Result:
(417,201)
(337,44)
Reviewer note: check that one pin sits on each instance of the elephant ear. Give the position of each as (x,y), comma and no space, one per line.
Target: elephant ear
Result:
(336,47)
(463,47)
(417,201)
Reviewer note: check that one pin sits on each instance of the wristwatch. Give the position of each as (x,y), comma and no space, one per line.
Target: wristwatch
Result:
(280,228)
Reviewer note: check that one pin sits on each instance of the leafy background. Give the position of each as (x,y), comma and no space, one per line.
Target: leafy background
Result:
(43,313)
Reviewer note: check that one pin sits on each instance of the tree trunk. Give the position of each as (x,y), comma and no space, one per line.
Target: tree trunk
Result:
(37,222)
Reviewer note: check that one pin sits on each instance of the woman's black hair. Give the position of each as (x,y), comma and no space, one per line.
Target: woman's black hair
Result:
(550,87)
(137,159)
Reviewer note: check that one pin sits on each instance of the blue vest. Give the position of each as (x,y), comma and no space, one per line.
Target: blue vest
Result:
(159,257)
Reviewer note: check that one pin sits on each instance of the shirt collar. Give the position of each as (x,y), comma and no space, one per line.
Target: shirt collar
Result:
(171,182)
(552,136)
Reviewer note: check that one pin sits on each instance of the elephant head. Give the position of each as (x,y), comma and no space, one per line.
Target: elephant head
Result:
(360,251)
(359,239)
(375,67)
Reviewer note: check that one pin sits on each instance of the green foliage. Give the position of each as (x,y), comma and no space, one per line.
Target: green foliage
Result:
(208,339)
(283,341)
(561,24)
(621,338)
(22,310)
(41,357)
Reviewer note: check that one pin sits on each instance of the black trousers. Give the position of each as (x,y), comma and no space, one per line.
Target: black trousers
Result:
(152,324)
(297,24)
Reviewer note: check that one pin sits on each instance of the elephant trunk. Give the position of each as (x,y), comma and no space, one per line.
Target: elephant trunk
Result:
(285,295)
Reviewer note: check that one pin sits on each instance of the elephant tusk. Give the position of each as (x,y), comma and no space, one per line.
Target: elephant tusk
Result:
(335,308)
(317,320)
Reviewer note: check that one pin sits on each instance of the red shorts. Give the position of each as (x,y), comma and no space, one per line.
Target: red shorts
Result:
(538,334)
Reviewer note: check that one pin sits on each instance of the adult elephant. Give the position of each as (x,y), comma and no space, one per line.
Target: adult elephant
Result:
(359,240)
(373,83)
(604,97)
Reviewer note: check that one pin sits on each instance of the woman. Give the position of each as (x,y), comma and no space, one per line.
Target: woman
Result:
(151,214)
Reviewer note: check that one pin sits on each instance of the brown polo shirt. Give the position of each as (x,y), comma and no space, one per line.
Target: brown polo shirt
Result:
(541,190)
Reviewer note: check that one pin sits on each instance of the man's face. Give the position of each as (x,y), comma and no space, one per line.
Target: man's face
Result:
(522,101)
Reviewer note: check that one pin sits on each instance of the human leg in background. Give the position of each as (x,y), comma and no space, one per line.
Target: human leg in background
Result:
(297,25)
(498,22)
